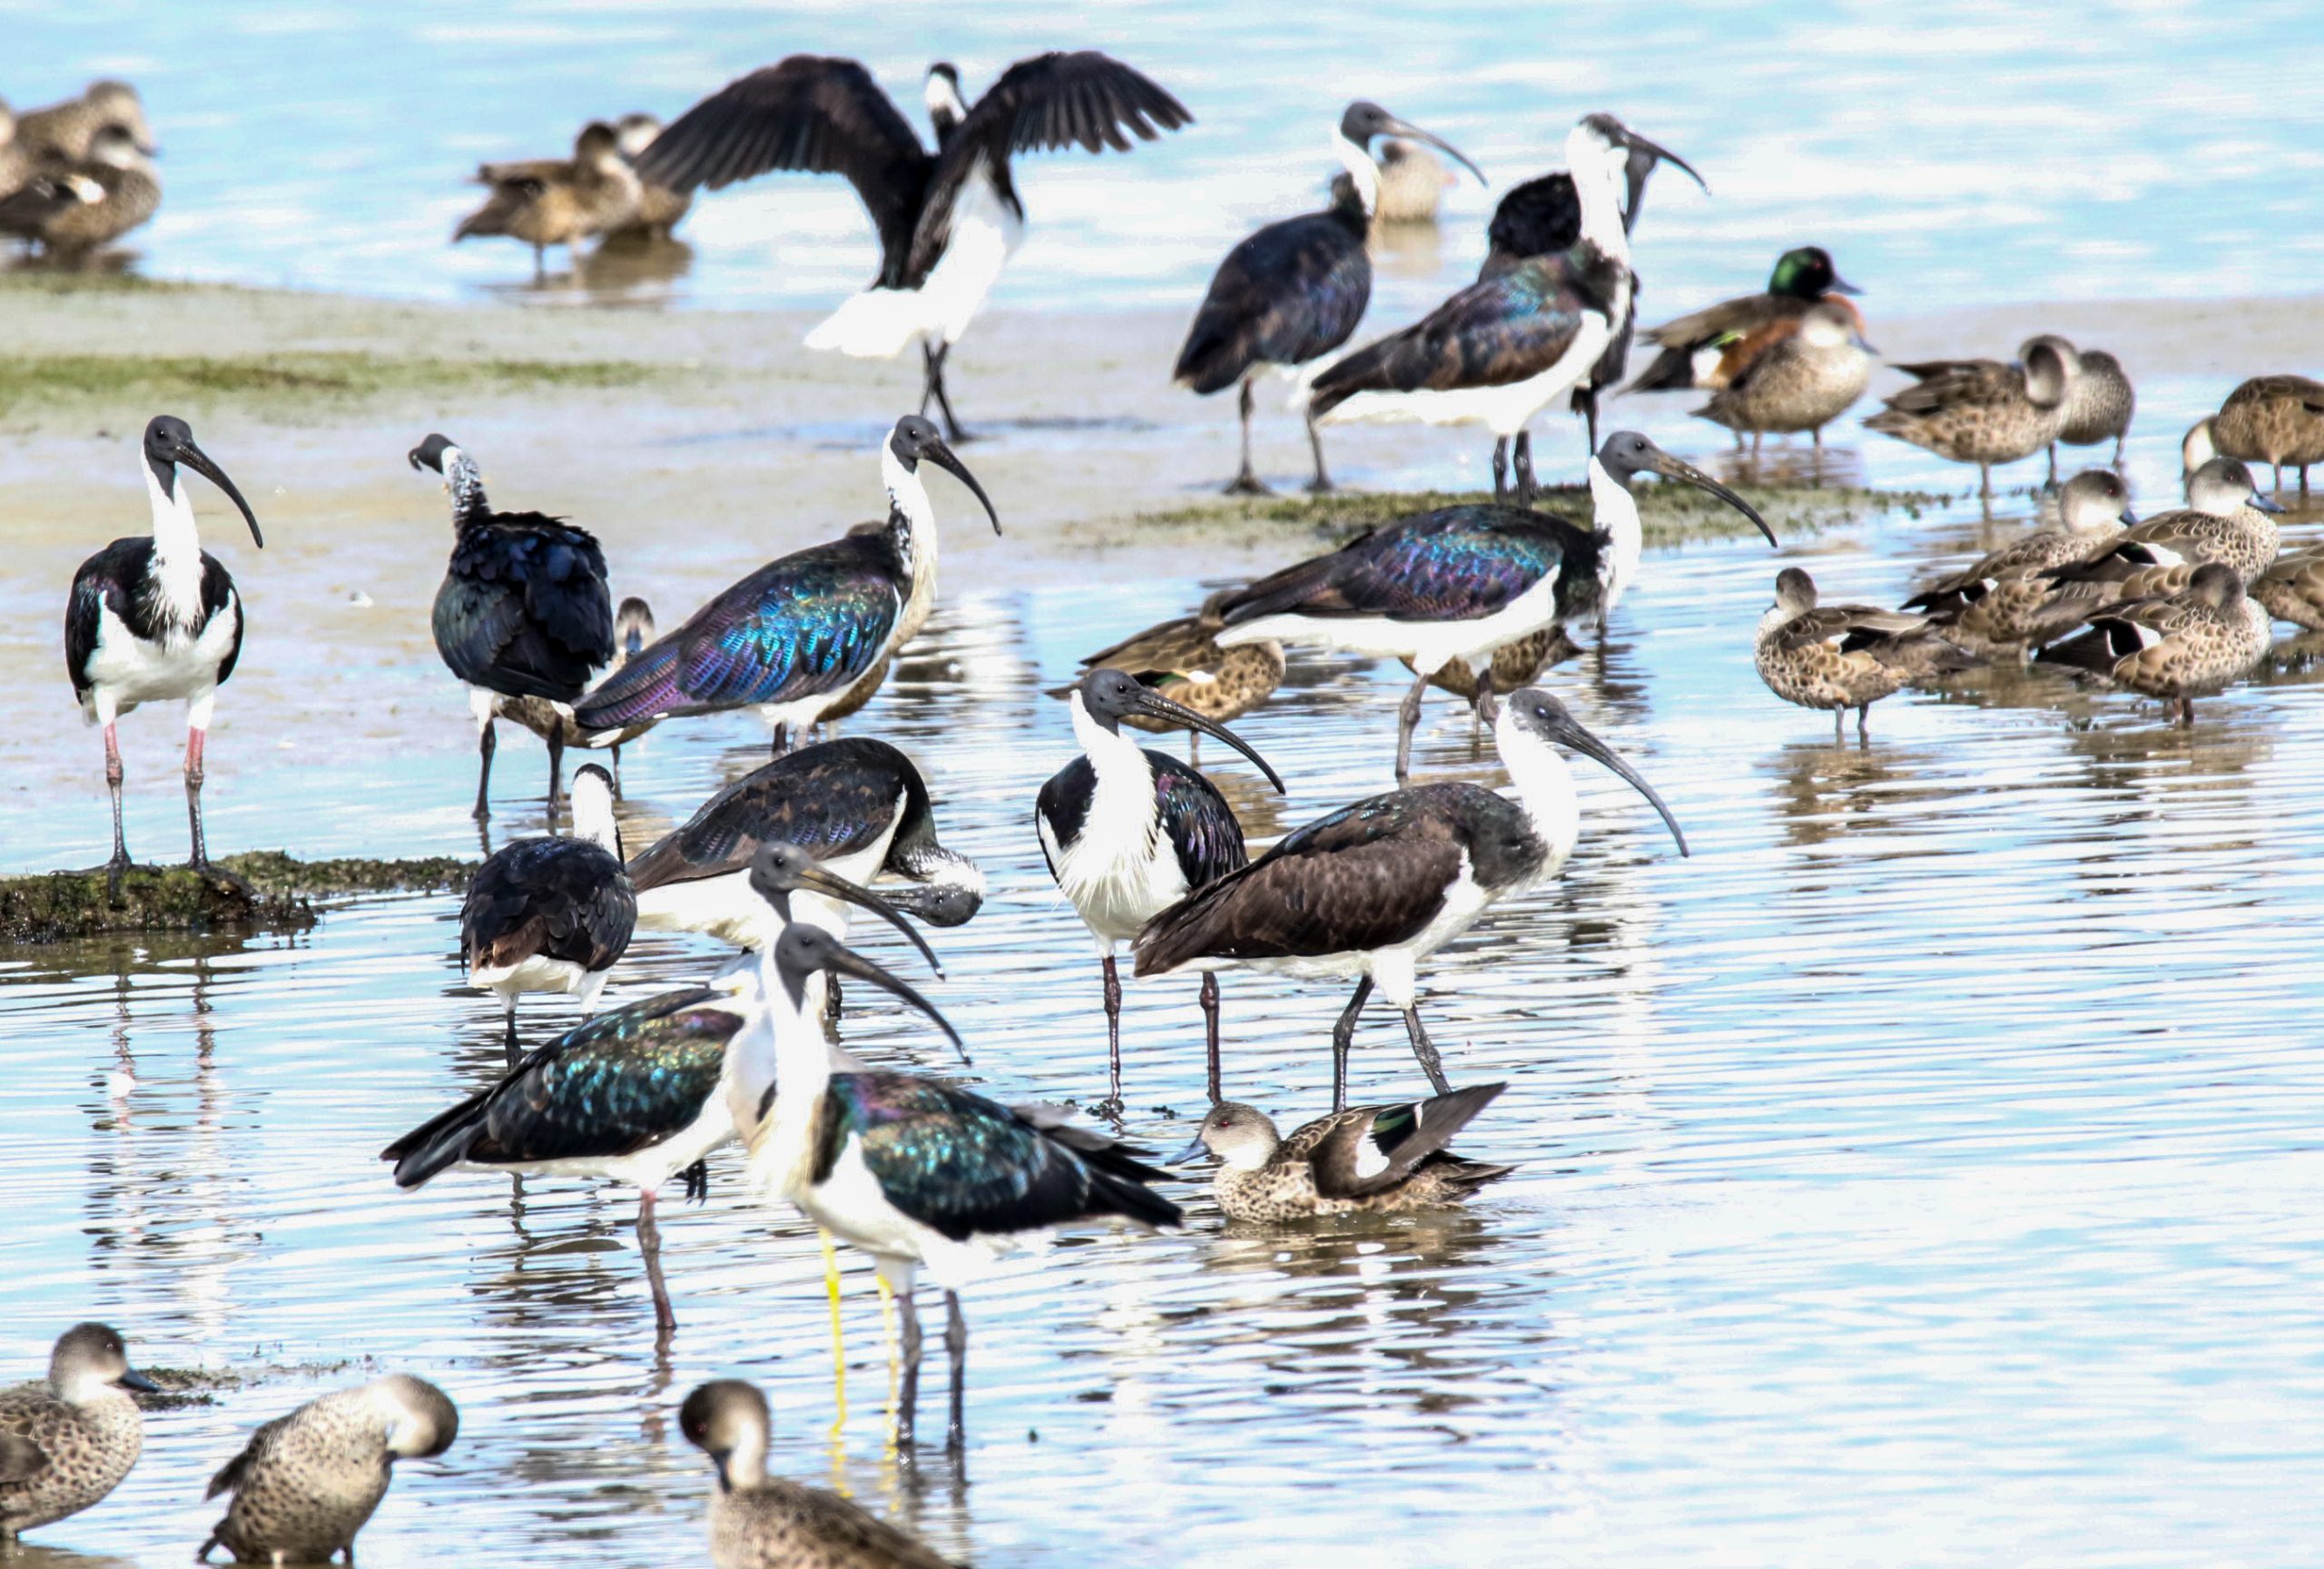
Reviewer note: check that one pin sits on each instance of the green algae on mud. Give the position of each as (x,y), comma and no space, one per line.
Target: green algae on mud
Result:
(348,376)
(262,891)
(1667,514)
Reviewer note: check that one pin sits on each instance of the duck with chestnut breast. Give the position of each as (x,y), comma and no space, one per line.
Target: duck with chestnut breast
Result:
(1844,657)
(1797,374)
(1694,346)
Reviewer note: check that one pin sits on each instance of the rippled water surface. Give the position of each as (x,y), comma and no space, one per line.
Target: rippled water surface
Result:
(1982,151)
(1923,1172)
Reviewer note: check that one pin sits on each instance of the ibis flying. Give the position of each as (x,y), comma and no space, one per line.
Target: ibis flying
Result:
(1462,581)
(1375,889)
(948,220)
(1500,350)
(1128,832)
(1295,291)
(795,637)
(856,805)
(157,620)
(551,914)
(917,1172)
(524,611)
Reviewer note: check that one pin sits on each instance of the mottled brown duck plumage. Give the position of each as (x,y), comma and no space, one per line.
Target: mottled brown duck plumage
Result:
(308,1482)
(2175,646)
(2277,420)
(1982,411)
(1181,660)
(2292,588)
(68,1439)
(1844,657)
(68,130)
(1364,1160)
(70,207)
(2100,402)
(1992,605)
(553,201)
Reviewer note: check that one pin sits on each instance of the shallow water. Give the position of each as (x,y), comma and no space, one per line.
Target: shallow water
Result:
(1923,1172)
(1985,153)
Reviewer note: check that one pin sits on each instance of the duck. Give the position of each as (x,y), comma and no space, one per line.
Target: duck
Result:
(1800,373)
(1844,657)
(308,1482)
(69,207)
(551,914)
(1992,605)
(1181,662)
(15,158)
(2226,521)
(1982,411)
(1413,182)
(2273,420)
(2099,405)
(553,201)
(2292,588)
(68,130)
(2176,646)
(1365,1161)
(759,1520)
(659,208)
(1695,345)
(67,1440)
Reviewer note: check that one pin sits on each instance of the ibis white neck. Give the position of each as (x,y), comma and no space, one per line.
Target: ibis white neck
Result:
(593,814)
(175,539)
(1361,169)
(1599,171)
(908,499)
(1545,787)
(1107,750)
(1616,513)
(466,482)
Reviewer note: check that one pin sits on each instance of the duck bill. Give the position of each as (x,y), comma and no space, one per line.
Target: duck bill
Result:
(2265,503)
(1196,1153)
(134,1379)
(1671,467)
(1570,734)
(1161,708)
(849,962)
(1656,152)
(832,886)
(1411,132)
(1840,285)
(195,458)
(942,456)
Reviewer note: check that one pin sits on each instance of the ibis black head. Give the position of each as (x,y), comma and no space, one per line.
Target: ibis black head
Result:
(915,439)
(1363,121)
(430,454)
(948,71)
(2094,498)
(90,1358)
(1639,155)
(1794,592)
(781,869)
(2223,485)
(1108,697)
(1806,273)
(804,950)
(726,1420)
(169,441)
(1534,713)
(1627,454)
(1241,1136)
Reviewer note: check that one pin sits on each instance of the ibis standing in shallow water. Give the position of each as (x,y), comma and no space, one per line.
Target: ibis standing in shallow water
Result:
(638,1095)
(157,620)
(1462,581)
(1500,350)
(1375,889)
(947,220)
(919,1173)
(524,610)
(1128,832)
(1295,291)
(857,805)
(794,639)
(551,914)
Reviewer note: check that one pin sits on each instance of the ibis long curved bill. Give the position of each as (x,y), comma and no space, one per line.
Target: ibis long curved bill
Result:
(1150,702)
(782,868)
(1411,132)
(1686,473)
(1568,732)
(816,949)
(943,457)
(200,463)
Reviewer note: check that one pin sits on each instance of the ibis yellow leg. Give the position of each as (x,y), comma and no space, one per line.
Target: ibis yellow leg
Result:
(839,1337)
